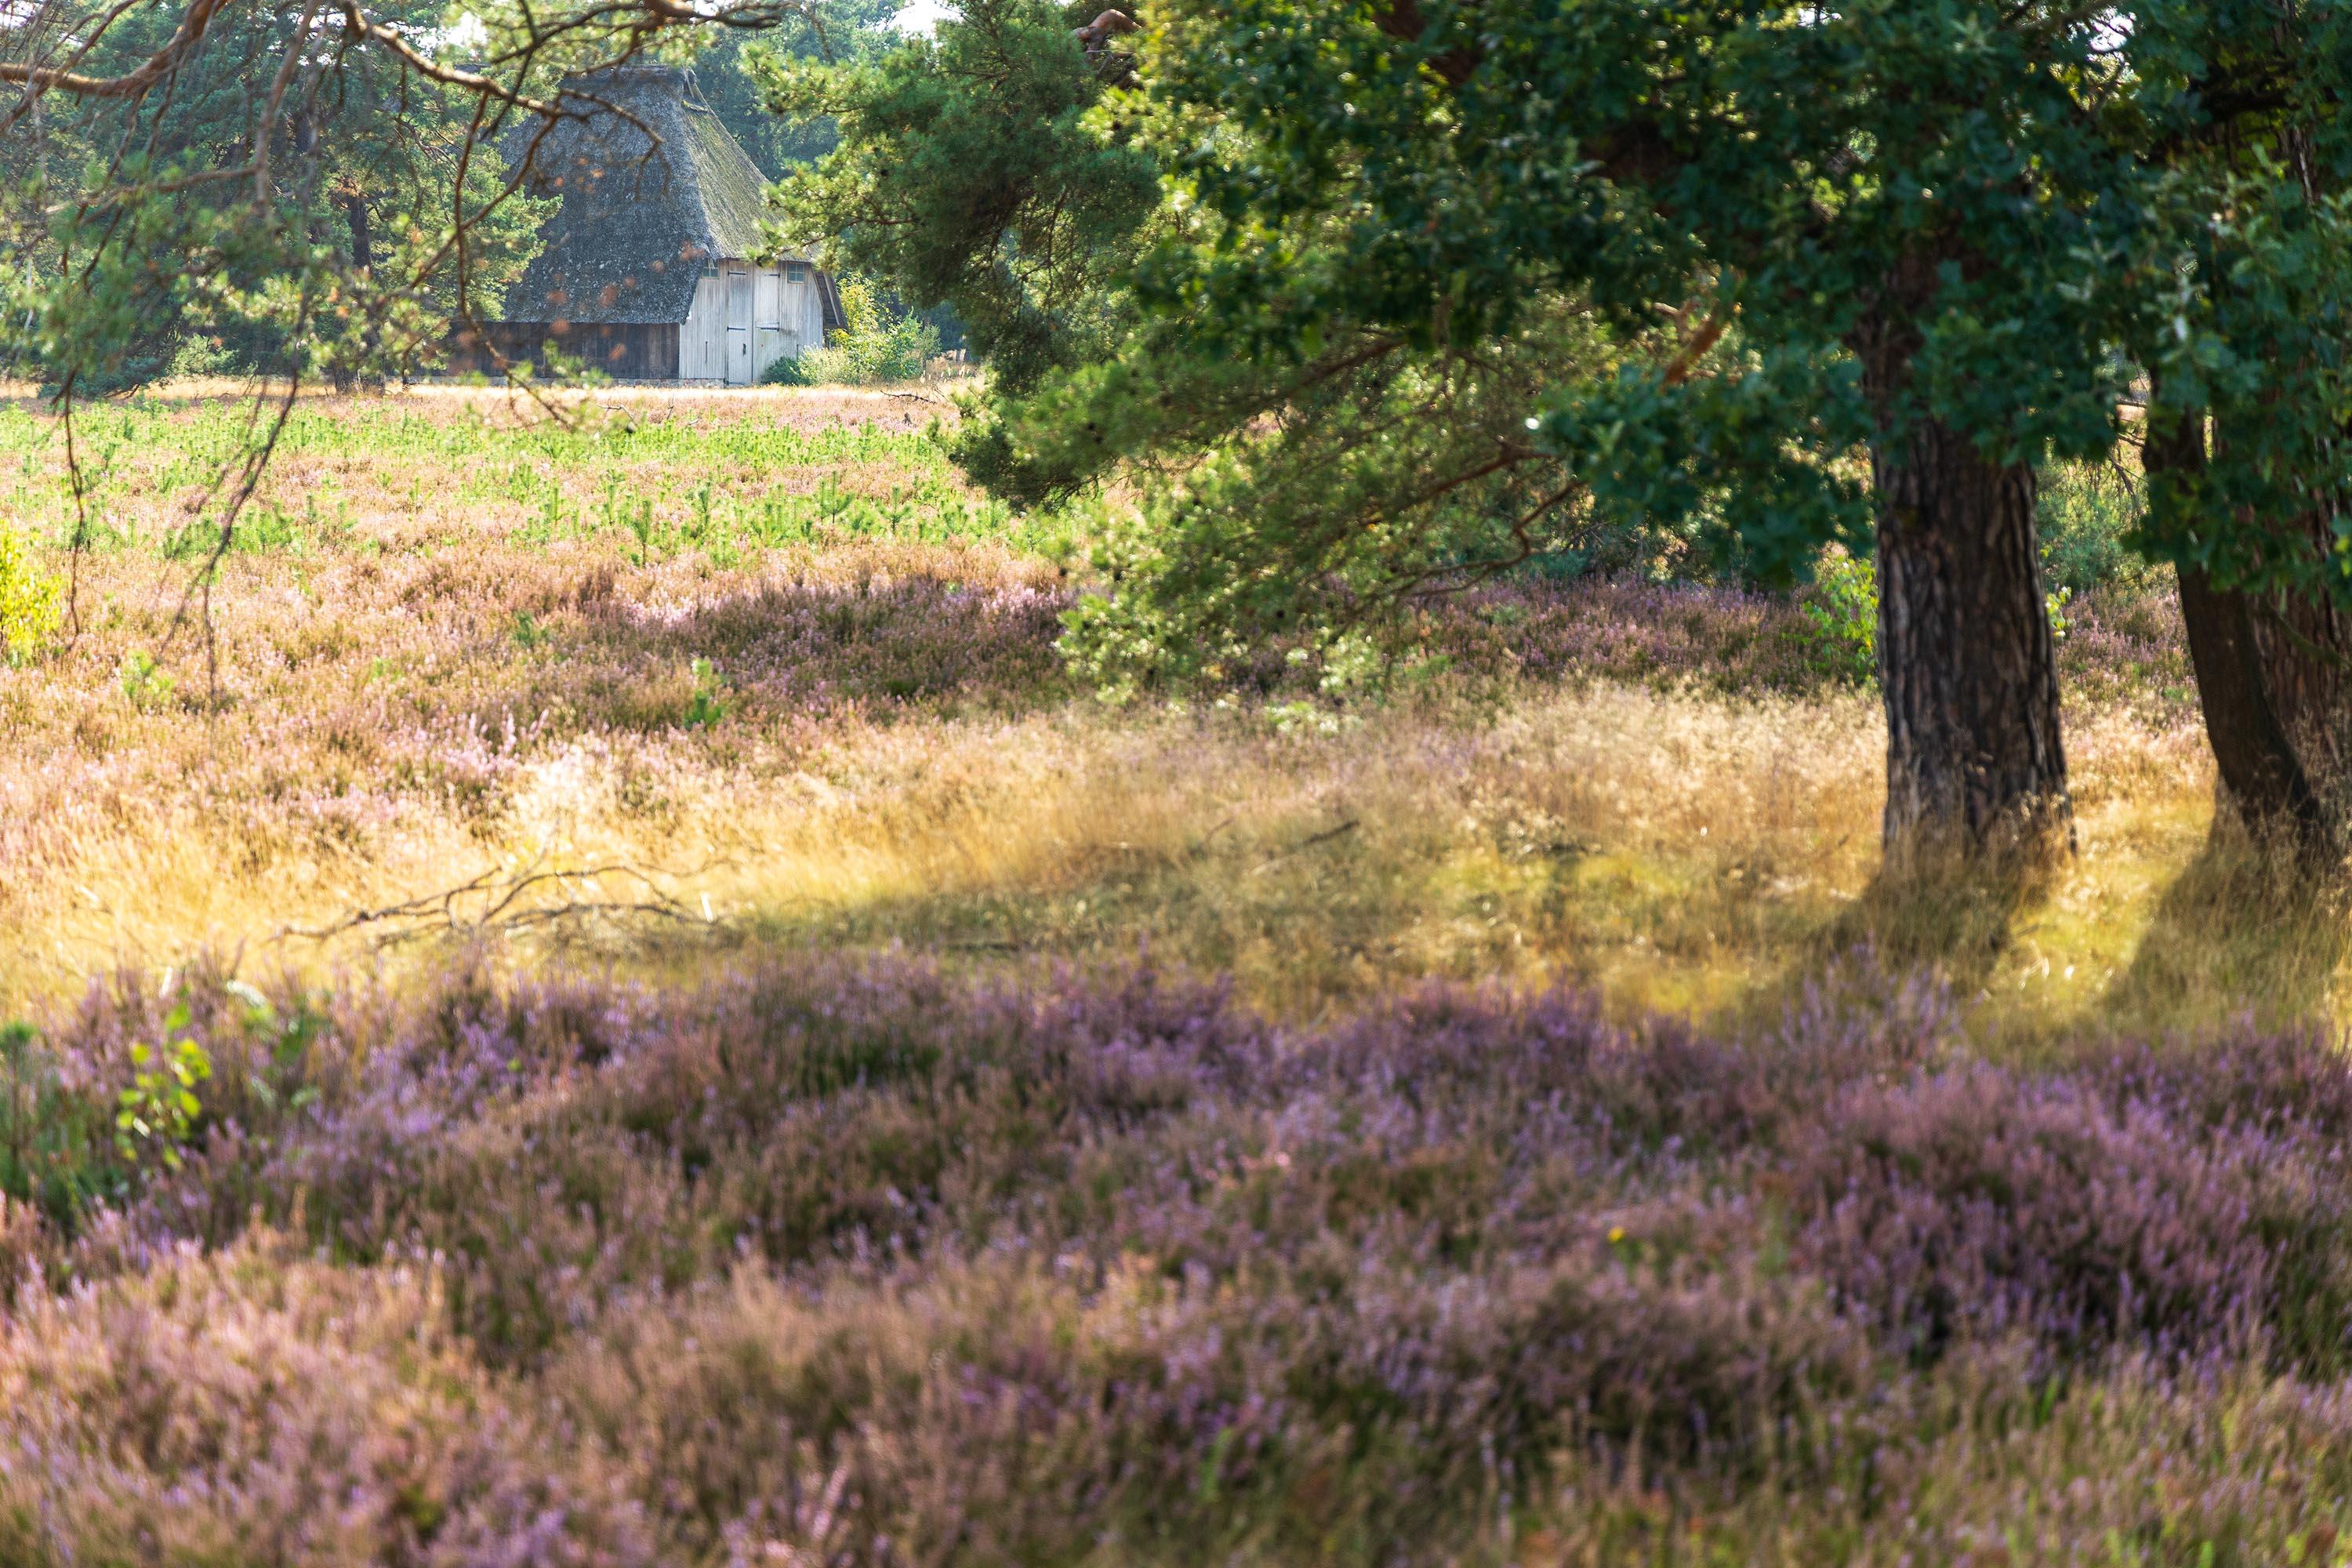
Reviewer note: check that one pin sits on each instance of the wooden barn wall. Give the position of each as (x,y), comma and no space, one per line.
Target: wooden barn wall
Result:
(626,351)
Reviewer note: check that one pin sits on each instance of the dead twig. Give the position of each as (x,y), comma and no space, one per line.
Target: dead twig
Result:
(505,906)
(1310,842)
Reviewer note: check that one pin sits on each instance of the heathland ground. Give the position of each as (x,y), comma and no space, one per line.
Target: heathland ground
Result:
(598,994)
(766,651)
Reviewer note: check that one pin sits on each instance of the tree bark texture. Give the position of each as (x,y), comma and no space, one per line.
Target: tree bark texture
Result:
(2305,648)
(1967,664)
(2271,682)
(355,218)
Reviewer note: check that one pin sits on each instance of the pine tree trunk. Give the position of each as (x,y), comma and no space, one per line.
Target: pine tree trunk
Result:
(355,218)
(2259,776)
(1967,664)
(2272,683)
(2305,644)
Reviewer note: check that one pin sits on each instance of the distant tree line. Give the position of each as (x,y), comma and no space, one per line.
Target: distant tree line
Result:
(312,189)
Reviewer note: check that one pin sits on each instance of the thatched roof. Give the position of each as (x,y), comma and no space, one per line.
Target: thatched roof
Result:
(641,215)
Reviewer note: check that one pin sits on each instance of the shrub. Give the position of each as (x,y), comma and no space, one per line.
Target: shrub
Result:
(144,681)
(880,343)
(31,601)
(1842,610)
(256,1408)
(705,704)
(1973,1203)
(158,1109)
(2087,512)
(861,1262)
(54,1153)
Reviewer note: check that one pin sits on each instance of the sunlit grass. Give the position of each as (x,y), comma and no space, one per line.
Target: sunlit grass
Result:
(1677,851)
(415,684)
(657,475)
(679,1254)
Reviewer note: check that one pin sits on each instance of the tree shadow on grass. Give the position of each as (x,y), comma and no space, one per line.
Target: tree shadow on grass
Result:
(1955,920)
(2241,931)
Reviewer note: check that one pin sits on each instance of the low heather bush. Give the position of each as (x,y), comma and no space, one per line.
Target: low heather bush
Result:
(1971,1201)
(856,1261)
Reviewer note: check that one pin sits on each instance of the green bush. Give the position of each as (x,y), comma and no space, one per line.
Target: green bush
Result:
(785,370)
(31,600)
(1843,608)
(880,343)
(145,682)
(2088,512)
(54,1155)
(707,704)
(157,1110)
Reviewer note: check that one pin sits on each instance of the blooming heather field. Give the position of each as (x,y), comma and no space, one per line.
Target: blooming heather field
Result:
(607,1002)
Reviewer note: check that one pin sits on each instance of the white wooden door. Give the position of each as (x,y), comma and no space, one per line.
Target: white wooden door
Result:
(702,344)
(807,311)
(739,325)
(767,320)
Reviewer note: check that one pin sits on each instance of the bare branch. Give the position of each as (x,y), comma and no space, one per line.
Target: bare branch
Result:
(423,65)
(130,84)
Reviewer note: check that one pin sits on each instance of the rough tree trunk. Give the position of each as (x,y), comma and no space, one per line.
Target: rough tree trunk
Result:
(1966,661)
(2272,677)
(355,217)
(2305,648)
(1966,664)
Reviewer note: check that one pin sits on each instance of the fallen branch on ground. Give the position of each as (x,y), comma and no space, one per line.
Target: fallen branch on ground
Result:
(505,906)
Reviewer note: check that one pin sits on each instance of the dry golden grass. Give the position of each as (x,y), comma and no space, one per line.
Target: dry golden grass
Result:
(436,692)
(455,1266)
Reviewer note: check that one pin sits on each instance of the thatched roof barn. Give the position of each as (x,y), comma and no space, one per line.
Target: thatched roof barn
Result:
(646,269)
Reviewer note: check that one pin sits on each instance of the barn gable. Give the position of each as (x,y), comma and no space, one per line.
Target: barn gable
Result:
(650,195)
(645,268)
